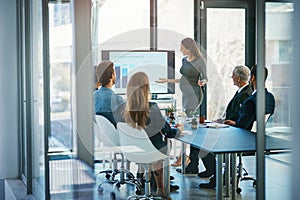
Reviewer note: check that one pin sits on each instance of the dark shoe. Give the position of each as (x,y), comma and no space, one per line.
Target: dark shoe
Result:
(172,178)
(210,185)
(205,174)
(192,168)
(140,175)
(187,171)
(174,188)
(178,170)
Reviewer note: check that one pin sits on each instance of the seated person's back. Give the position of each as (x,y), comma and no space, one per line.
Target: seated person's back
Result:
(248,113)
(105,99)
(139,113)
(156,126)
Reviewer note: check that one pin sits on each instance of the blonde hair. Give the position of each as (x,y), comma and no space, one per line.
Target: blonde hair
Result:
(136,112)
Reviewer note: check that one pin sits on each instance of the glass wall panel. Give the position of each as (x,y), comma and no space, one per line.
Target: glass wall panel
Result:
(61,140)
(279,52)
(60,44)
(24,128)
(171,29)
(117,18)
(38,162)
(224,52)
(119,25)
(168,17)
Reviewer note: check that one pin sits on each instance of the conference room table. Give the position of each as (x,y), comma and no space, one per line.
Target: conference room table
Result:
(225,140)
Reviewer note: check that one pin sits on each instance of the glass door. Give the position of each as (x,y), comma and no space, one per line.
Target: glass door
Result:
(227,31)
(33,164)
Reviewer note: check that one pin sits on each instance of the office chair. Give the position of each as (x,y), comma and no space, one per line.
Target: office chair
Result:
(145,155)
(242,173)
(107,133)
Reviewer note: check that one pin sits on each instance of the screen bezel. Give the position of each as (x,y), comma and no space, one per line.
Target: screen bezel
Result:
(170,63)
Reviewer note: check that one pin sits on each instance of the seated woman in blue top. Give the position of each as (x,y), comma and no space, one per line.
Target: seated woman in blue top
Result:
(142,114)
(105,99)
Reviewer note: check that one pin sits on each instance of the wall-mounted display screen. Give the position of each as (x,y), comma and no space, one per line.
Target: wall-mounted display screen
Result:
(156,64)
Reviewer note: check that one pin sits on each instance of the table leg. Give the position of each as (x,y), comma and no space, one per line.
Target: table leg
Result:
(166,171)
(219,176)
(227,174)
(233,170)
(183,157)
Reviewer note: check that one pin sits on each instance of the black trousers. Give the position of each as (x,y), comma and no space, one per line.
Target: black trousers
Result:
(208,159)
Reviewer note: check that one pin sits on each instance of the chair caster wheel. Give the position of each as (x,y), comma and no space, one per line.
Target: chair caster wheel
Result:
(254,184)
(100,189)
(112,196)
(238,190)
(107,176)
(138,192)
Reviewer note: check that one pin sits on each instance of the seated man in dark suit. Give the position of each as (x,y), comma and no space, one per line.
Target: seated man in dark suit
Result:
(240,77)
(248,112)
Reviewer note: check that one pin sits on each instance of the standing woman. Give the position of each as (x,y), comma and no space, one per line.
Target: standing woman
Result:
(142,114)
(193,71)
(193,77)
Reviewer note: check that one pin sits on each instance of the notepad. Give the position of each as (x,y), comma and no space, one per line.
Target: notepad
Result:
(216,125)
(186,132)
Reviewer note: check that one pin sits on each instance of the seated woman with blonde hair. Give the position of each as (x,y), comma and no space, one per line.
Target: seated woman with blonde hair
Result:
(142,114)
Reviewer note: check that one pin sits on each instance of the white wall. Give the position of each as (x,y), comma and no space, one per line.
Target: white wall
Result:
(82,104)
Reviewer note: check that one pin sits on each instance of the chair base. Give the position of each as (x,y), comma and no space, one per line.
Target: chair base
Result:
(243,176)
(143,197)
(117,184)
(111,174)
(147,184)
(147,194)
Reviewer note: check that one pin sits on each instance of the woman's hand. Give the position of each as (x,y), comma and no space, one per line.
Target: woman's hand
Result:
(180,127)
(162,80)
(201,82)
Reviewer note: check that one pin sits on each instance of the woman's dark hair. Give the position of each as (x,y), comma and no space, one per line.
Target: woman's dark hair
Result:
(191,45)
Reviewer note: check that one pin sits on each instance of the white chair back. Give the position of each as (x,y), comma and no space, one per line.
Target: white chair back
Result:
(146,151)
(254,127)
(106,132)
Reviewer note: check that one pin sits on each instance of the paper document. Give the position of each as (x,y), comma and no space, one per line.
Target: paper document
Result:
(216,125)
(186,132)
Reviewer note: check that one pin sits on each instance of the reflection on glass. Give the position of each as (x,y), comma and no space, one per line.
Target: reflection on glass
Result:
(38,162)
(279,52)
(119,16)
(224,52)
(61,138)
